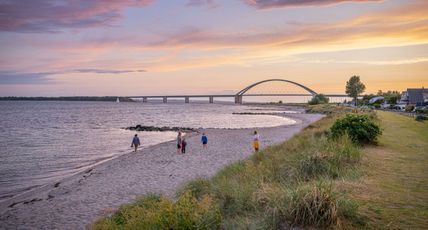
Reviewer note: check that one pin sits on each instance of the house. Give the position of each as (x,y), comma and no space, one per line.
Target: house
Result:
(418,97)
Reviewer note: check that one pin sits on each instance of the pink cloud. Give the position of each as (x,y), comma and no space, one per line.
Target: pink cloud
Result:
(52,16)
(266,4)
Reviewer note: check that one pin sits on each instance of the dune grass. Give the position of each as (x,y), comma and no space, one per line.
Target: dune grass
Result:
(309,181)
(394,192)
(290,184)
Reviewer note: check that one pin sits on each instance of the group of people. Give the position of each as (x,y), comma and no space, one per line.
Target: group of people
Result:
(181,142)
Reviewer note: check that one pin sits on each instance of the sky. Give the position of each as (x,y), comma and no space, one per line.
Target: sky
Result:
(158,47)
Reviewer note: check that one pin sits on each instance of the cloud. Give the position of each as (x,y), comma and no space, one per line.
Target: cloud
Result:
(267,4)
(24,78)
(202,3)
(16,77)
(380,62)
(103,71)
(54,16)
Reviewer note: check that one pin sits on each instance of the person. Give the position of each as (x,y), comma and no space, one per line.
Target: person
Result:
(179,142)
(135,142)
(256,141)
(204,140)
(183,146)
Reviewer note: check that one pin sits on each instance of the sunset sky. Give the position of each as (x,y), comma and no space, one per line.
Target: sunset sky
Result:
(131,47)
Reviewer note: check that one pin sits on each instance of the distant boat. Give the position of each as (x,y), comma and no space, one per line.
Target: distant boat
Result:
(117,100)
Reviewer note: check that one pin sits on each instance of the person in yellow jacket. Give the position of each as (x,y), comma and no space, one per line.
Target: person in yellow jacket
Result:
(256,141)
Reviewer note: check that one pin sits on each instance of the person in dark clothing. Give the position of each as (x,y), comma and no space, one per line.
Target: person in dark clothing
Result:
(183,145)
(204,140)
(135,142)
(179,142)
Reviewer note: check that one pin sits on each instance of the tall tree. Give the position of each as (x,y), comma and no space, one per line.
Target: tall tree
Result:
(354,87)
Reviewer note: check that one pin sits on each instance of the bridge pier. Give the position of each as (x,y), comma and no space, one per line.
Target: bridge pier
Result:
(165,99)
(186,100)
(211,99)
(238,99)
(144,99)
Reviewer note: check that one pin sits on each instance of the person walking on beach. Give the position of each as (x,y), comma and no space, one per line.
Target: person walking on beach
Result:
(256,141)
(179,142)
(135,142)
(204,140)
(183,146)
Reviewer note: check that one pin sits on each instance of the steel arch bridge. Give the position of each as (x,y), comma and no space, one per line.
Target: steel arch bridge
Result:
(238,96)
(279,80)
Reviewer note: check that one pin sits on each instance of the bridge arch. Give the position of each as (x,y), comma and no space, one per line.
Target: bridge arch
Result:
(243,91)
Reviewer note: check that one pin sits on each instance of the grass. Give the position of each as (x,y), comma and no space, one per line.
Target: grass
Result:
(394,192)
(309,181)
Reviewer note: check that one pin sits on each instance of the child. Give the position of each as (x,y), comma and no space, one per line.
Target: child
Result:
(204,140)
(256,141)
(183,145)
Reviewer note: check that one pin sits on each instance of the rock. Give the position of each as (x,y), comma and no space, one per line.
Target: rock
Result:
(158,129)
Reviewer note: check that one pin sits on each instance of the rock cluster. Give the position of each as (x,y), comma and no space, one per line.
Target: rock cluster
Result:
(158,129)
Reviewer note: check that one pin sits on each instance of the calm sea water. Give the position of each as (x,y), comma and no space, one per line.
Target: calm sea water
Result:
(41,142)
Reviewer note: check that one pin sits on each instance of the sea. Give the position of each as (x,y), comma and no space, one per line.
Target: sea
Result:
(45,141)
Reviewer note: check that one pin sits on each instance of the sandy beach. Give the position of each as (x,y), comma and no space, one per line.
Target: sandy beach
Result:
(75,202)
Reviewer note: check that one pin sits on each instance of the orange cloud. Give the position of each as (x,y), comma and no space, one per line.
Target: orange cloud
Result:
(268,4)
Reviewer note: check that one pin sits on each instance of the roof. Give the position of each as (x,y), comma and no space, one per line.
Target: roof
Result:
(416,95)
(373,100)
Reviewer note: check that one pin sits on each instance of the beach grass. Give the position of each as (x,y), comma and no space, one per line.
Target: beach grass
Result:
(311,180)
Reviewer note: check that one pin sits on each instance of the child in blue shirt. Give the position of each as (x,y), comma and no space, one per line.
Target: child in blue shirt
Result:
(204,140)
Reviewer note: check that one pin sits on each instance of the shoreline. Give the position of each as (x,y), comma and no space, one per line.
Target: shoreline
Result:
(75,201)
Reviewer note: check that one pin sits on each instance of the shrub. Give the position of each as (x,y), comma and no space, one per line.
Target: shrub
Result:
(319,99)
(421,118)
(409,108)
(422,110)
(360,128)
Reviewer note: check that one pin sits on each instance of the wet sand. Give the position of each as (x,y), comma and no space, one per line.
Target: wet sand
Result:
(75,202)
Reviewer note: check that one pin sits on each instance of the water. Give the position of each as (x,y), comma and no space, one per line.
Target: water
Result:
(43,141)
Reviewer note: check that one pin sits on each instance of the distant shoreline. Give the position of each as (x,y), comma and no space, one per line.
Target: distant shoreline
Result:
(71,98)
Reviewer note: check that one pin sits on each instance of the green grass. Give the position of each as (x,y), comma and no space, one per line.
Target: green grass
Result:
(394,192)
(309,181)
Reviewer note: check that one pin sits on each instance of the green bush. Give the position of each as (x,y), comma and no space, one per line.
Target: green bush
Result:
(360,128)
(421,118)
(409,108)
(319,99)
(422,110)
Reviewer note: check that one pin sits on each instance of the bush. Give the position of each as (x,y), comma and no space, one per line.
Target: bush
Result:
(421,118)
(422,110)
(319,99)
(360,128)
(409,108)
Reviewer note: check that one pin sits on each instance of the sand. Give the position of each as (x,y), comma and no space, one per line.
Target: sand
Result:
(77,201)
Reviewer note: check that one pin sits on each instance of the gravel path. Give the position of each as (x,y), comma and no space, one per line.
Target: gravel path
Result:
(75,202)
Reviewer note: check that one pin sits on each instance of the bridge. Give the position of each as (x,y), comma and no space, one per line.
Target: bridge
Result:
(238,96)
